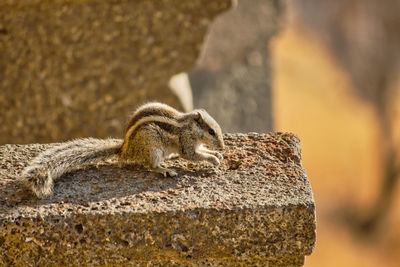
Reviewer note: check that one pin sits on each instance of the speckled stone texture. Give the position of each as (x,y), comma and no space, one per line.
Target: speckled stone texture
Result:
(75,68)
(255,209)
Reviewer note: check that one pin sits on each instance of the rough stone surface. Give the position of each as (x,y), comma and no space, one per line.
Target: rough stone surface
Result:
(74,68)
(233,77)
(255,209)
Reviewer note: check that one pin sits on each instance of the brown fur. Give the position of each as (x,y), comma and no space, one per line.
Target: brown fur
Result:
(154,132)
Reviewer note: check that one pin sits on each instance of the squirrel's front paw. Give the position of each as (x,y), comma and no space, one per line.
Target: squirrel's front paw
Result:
(219,156)
(214,160)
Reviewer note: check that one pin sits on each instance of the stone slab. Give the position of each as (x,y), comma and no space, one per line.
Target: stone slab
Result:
(255,209)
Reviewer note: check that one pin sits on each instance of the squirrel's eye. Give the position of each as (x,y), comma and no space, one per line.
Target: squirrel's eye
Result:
(211,131)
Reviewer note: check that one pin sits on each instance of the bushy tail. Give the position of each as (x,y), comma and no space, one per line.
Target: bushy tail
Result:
(53,163)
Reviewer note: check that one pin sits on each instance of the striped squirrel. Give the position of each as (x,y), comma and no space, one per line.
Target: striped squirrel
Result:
(154,133)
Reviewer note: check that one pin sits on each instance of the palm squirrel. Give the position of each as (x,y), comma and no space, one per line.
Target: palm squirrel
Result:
(154,132)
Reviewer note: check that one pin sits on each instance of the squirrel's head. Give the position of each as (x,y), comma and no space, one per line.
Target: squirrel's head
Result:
(206,129)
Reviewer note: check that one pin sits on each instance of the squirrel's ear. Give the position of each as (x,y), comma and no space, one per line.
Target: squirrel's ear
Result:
(196,115)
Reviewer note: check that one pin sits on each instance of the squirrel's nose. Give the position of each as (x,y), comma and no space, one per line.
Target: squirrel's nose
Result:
(221,144)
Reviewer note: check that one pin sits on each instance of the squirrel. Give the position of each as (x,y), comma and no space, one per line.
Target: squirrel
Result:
(155,132)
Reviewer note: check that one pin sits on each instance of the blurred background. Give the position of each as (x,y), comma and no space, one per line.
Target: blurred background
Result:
(325,70)
(336,81)
(328,71)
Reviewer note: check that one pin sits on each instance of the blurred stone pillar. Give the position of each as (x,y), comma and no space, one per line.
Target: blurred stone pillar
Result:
(72,69)
(232,79)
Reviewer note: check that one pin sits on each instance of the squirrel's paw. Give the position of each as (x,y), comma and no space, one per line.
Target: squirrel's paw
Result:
(214,160)
(219,156)
(170,173)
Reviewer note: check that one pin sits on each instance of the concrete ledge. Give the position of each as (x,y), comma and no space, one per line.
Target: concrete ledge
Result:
(257,208)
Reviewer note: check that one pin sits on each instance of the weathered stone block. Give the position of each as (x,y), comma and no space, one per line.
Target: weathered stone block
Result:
(255,209)
(74,68)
